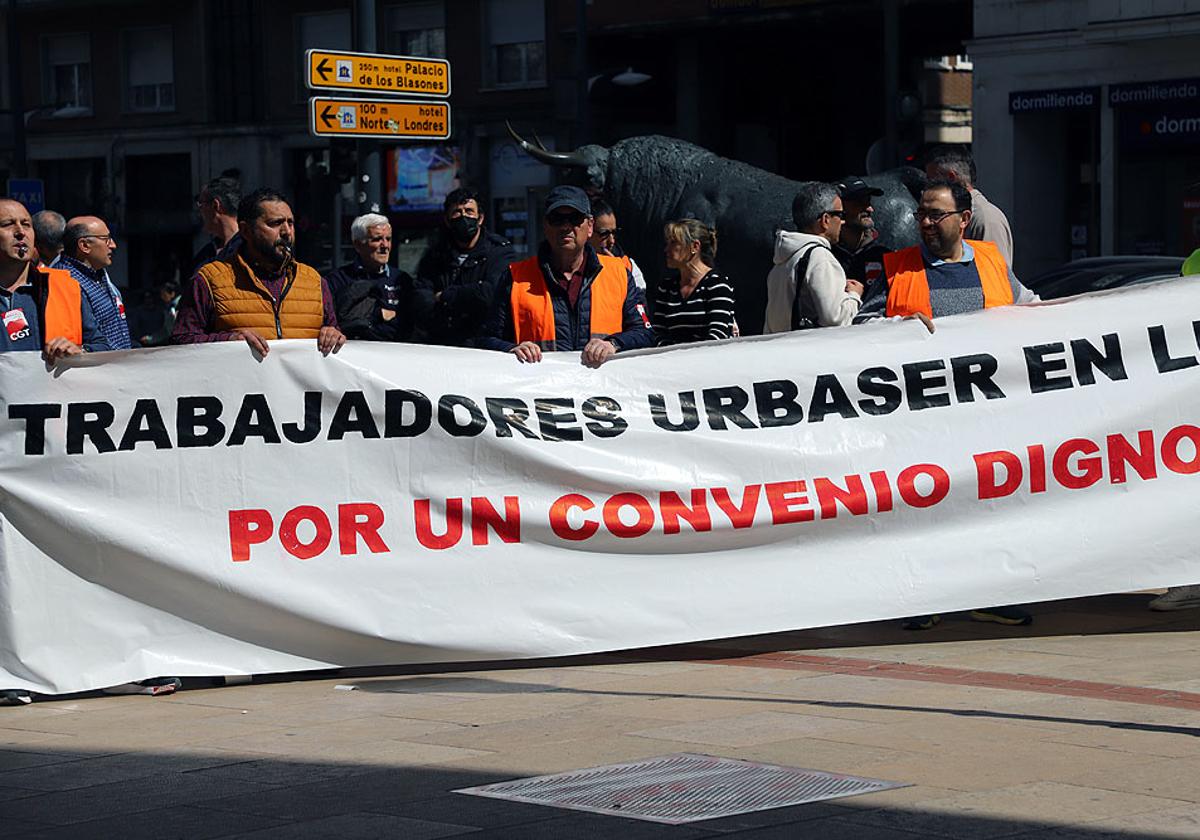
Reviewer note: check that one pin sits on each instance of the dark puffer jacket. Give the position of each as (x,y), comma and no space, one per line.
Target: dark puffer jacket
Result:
(466,289)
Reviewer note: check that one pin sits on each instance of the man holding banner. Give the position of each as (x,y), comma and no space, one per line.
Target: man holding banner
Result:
(568,297)
(259,292)
(947,275)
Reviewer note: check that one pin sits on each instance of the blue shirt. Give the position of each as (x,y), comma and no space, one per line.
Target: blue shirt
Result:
(105,301)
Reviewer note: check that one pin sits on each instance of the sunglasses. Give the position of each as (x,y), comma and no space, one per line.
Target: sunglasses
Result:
(841,214)
(560,219)
(605,233)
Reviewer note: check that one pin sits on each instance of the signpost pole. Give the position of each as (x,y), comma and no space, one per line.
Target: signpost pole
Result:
(369,171)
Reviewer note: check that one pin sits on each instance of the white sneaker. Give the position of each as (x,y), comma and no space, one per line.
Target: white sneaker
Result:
(15,697)
(1178,598)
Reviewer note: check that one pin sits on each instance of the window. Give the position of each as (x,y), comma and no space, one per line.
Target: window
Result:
(67,79)
(417,29)
(321,31)
(150,69)
(516,32)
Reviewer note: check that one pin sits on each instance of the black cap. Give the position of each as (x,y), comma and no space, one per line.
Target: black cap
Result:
(852,187)
(572,197)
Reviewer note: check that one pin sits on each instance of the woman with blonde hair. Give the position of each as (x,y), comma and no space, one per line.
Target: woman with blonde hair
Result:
(697,305)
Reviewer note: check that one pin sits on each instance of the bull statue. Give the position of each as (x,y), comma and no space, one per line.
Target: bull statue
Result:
(652,180)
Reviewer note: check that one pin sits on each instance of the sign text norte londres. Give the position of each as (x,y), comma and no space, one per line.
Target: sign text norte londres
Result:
(393,118)
(375,73)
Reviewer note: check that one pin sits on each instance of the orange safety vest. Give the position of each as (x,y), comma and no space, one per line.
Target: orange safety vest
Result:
(240,300)
(908,287)
(533,307)
(63,315)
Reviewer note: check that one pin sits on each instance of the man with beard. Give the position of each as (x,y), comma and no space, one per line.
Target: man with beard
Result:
(948,275)
(457,275)
(259,292)
(568,297)
(858,247)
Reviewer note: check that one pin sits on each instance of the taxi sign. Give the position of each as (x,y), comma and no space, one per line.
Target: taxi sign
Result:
(374,73)
(394,118)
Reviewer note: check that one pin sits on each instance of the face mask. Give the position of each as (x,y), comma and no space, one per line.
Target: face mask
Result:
(464,228)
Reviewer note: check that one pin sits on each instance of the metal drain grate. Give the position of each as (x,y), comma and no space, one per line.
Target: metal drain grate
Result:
(681,788)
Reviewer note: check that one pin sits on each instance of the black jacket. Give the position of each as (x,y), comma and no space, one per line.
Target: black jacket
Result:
(361,298)
(864,265)
(467,289)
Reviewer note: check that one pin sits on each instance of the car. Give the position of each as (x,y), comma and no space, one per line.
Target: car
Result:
(1094,274)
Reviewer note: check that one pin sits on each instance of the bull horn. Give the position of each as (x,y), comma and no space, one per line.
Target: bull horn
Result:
(552,158)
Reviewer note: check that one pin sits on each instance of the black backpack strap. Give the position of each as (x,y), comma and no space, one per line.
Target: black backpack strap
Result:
(799,320)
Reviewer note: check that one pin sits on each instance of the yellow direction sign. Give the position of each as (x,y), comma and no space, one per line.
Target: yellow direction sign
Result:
(393,118)
(399,74)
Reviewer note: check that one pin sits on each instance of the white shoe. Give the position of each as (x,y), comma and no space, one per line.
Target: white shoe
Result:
(1178,598)
(15,697)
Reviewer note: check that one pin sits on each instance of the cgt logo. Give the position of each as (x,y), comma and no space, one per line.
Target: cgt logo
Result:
(15,325)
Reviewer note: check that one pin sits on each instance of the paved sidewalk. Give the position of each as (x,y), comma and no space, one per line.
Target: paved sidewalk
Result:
(1085,725)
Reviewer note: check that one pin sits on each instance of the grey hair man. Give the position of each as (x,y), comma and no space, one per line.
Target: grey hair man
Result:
(368,293)
(48,229)
(807,287)
(988,222)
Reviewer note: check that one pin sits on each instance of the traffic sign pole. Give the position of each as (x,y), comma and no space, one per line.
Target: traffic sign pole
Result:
(369,170)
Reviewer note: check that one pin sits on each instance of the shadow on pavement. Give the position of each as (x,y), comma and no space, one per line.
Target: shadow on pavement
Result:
(47,794)
(479,685)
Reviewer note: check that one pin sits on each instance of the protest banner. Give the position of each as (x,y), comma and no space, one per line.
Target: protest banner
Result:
(192,511)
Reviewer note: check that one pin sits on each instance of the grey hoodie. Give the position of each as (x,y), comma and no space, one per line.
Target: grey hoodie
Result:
(823,295)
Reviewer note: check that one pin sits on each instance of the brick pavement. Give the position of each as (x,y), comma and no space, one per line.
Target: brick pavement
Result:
(1086,724)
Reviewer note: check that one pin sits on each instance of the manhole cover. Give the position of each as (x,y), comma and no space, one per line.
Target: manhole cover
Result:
(681,788)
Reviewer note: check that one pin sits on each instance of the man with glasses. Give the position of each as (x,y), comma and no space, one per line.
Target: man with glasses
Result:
(604,239)
(88,247)
(948,275)
(568,297)
(807,287)
(217,204)
(988,222)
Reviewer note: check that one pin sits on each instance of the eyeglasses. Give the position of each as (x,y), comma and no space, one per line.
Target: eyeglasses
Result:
(841,214)
(605,233)
(560,219)
(935,216)
(107,237)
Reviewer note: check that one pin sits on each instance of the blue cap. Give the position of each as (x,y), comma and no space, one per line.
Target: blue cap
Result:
(572,197)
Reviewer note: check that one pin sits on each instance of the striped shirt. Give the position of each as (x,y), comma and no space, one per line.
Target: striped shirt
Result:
(705,315)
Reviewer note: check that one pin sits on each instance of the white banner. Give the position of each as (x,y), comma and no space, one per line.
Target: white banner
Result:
(194,511)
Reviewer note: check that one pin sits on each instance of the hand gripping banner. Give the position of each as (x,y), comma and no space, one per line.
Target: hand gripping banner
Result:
(190,511)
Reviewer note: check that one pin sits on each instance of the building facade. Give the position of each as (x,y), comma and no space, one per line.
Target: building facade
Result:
(1087,125)
(126,107)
